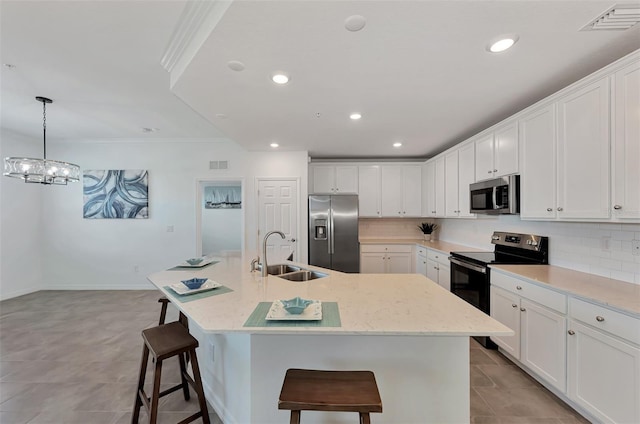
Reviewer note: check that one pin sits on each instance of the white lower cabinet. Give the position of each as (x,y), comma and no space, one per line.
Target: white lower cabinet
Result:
(438,268)
(603,367)
(539,342)
(421,261)
(386,259)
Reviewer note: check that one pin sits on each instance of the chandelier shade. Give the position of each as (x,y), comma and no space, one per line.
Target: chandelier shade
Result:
(42,171)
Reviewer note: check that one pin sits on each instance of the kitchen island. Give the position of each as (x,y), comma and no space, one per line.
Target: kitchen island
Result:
(410,332)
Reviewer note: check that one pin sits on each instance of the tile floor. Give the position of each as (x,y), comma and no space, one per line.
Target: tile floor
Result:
(71,357)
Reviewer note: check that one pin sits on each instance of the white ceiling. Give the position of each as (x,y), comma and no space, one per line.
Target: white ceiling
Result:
(418,72)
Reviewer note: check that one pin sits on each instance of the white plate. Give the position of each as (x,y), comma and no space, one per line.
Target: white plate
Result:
(182,289)
(313,312)
(205,261)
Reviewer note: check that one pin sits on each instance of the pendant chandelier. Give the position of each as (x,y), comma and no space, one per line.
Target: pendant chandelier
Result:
(43,171)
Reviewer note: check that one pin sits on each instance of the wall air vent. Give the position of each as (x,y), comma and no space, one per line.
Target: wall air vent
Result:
(617,18)
(219,164)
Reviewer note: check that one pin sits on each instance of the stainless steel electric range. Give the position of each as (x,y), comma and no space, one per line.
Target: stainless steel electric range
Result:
(470,273)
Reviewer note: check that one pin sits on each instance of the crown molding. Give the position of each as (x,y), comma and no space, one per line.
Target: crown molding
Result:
(197,21)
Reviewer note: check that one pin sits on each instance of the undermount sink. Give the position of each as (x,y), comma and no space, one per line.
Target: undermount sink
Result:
(279,269)
(302,275)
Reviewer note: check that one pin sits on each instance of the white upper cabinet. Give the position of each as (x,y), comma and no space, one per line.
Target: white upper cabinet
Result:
(625,193)
(401,191)
(496,153)
(440,187)
(335,179)
(369,191)
(459,173)
(538,164)
(429,189)
(583,152)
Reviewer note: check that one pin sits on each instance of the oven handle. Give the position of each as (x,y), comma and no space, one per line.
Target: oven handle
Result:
(477,268)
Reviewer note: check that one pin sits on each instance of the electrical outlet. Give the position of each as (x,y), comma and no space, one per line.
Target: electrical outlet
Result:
(605,244)
(635,247)
(169,228)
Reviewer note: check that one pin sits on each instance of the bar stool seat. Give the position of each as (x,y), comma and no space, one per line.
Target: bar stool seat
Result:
(314,390)
(163,342)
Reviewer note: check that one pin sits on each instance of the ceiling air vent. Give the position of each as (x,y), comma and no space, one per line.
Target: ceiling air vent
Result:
(218,164)
(617,18)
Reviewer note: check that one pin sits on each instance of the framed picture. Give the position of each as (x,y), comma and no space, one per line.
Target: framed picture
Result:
(115,194)
(223,197)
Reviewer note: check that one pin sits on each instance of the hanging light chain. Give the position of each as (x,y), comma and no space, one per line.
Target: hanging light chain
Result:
(44,128)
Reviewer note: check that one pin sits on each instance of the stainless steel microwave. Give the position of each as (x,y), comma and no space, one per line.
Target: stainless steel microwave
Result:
(497,196)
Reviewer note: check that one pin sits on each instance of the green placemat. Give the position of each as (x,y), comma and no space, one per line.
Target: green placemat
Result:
(184,298)
(193,268)
(330,317)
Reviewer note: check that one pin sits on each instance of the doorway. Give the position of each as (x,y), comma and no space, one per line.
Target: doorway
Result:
(220,217)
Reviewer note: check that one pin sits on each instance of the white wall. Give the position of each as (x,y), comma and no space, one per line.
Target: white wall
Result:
(20,222)
(101,254)
(579,246)
(221,230)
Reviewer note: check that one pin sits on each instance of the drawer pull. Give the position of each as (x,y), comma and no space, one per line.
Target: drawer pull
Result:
(549,209)
(523,309)
(599,318)
(518,287)
(571,332)
(513,305)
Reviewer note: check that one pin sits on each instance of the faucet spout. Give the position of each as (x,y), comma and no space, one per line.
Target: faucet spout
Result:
(264,272)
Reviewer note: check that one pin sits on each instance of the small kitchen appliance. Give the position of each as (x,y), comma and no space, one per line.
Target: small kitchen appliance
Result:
(333,232)
(470,272)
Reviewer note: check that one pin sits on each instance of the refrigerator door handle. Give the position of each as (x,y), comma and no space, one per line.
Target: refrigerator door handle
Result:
(329,232)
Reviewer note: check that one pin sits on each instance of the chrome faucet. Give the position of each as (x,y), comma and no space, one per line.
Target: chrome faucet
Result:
(264,265)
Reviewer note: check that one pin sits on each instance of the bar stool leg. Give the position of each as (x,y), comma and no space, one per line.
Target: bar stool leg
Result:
(198,386)
(143,371)
(183,372)
(295,417)
(155,397)
(364,418)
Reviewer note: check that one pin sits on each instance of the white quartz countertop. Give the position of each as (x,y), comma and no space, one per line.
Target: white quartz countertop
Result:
(614,293)
(442,246)
(369,304)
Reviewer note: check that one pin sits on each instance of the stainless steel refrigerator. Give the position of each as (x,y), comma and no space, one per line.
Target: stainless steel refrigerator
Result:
(333,232)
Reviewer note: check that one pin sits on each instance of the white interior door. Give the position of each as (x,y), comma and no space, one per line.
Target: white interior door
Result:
(278,211)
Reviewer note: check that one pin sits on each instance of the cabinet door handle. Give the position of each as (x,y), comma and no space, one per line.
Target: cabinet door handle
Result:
(599,318)
(495,170)
(518,288)
(549,209)
(559,209)
(617,207)
(571,332)
(489,172)
(513,305)
(523,309)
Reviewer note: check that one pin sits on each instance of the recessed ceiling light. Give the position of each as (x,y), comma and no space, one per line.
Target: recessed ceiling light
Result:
(280,78)
(502,43)
(221,116)
(235,65)
(9,66)
(274,145)
(355,23)
(355,116)
(397,144)
(150,130)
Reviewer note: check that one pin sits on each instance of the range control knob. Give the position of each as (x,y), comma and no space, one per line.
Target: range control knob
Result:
(495,237)
(534,243)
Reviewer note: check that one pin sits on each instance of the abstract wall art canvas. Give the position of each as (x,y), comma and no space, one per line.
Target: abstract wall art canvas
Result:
(116,194)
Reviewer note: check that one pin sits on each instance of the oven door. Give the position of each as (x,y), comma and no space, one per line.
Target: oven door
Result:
(470,282)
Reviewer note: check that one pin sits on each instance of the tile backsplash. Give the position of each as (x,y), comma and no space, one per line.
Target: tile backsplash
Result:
(604,249)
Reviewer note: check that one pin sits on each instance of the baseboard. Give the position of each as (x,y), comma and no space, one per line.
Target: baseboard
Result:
(17,293)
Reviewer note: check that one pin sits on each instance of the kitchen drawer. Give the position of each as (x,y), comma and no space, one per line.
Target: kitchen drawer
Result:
(605,319)
(549,298)
(436,255)
(383,248)
(421,251)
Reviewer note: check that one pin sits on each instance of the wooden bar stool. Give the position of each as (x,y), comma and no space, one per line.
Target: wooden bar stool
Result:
(163,342)
(163,312)
(347,391)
